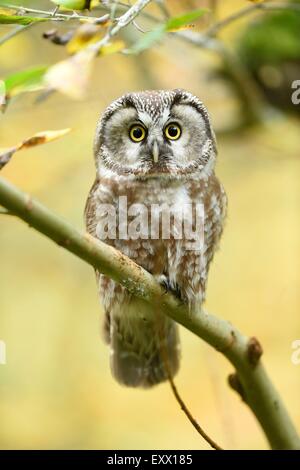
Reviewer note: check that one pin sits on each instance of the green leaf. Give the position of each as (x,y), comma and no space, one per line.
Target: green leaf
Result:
(31,79)
(26,80)
(157,34)
(23,20)
(178,22)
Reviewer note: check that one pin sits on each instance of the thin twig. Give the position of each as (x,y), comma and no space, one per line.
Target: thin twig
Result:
(139,28)
(166,364)
(214,29)
(14,32)
(190,417)
(49,14)
(163,8)
(213,6)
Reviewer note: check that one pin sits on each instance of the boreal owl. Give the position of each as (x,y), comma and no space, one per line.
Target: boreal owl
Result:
(154,150)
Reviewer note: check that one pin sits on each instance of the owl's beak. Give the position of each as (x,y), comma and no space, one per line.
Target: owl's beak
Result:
(155,151)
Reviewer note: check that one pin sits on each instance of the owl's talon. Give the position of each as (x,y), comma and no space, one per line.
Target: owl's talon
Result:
(163,282)
(169,288)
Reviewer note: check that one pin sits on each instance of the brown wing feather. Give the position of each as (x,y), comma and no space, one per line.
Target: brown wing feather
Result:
(90,210)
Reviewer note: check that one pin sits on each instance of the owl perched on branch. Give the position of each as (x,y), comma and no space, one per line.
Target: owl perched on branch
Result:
(155,154)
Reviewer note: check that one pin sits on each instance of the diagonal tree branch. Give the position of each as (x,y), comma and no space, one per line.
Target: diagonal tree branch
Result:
(251,379)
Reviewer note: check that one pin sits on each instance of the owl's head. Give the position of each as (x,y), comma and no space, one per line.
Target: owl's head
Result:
(155,134)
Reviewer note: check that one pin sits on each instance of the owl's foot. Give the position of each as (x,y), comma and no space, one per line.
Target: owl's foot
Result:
(188,298)
(164,281)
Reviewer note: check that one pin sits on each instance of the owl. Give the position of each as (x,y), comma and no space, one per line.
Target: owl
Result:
(155,154)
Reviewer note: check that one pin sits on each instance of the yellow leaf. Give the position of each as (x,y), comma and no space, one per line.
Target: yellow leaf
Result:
(71,76)
(37,139)
(86,34)
(43,138)
(112,48)
(94,3)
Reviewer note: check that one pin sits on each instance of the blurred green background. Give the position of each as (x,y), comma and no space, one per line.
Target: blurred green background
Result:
(56,390)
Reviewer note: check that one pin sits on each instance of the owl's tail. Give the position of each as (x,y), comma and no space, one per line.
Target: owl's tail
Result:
(144,346)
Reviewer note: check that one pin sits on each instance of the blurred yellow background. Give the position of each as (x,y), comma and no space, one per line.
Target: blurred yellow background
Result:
(56,390)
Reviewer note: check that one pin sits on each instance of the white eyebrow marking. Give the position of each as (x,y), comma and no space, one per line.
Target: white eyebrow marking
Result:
(145,118)
(165,116)
(121,115)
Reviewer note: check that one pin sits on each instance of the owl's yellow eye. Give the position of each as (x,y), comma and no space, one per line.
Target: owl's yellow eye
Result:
(137,133)
(173,131)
